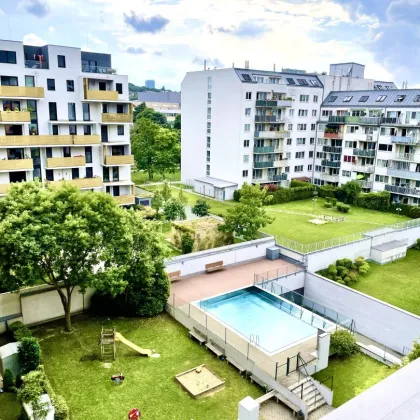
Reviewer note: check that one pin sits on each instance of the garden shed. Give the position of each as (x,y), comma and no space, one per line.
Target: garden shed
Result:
(389,251)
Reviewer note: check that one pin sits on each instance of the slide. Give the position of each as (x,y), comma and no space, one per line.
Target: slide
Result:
(144,352)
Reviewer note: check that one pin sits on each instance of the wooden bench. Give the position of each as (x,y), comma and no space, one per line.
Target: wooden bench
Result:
(198,335)
(237,365)
(218,265)
(174,275)
(260,383)
(217,350)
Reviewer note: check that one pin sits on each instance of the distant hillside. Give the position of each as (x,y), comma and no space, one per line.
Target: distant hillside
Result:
(134,89)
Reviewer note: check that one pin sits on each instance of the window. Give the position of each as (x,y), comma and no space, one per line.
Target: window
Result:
(73,130)
(385,147)
(207,170)
(399,98)
(208,142)
(119,88)
(381,178)
(364,98)
(72,111)
(86,111)
(246,158)
(326,113)
(301,127)
(291,112)
(300,155)
(381,98)
(332,98)
(303,113)
(274,80)
(352,129)
(315,98)
(7,57)
(209,128)
(351,144)
(300,141)
(74,173)
(208,98)
(248,96)
(88,154)
(30,81)
(311,154)
(417,98)
(314,112)
(55,130)
(208,155)
(302,82)
(259,79)
(120,130)
(49,174)
(66,152)
(209,83)
(87,130)
(9,81)
(287,169)
(347,98)
(208,113)
(61,60)
(289,142)
(304,98)
(299,168)
(382,163)
(247,128)
(105,173)
(247,112)
(309,167)
(52,106)
(246,143)
(321,155)
(51,84)
(313,127)
(70,85)
(89,172)
(312,140)
(291,81)
(346,174)
(290,127)
(245,173)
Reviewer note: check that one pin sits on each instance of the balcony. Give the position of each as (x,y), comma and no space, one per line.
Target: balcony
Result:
(21,92)
(270,178)
(119,160)
(34,64)
(278,103)
(368,169)
(330,178)
(331,163)
(364,152)
(269,149)
(124,200)
(329,135)
(403,173)
(4,188)
(370,120)
(270,119)
(404,140)
(261,165)
(101,95)
(45,140)
(402,190)
(16,165)
(82,183)
(98,69)
(391,121)
(337,119)
(15,116)
(271,134)
(66,162)
(409,157)
(365,184)
(117,118)
(332,149)
(281,177)
(281,163)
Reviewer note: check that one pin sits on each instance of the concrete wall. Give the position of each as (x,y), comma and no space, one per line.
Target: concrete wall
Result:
(232,254)
(292,281)
(410,234)
(373,318)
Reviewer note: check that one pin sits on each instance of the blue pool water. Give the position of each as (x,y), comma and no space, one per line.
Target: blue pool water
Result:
(275,321)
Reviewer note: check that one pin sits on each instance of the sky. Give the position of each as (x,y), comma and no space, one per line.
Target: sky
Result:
(164,39)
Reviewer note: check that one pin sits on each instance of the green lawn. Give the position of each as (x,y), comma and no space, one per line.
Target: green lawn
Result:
(353,376)
(149,383)
(396,283)
(10,408)
(142,177)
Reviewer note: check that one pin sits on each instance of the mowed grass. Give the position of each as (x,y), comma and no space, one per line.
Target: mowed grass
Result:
(10,407)
(352,376)
(396,283)
(142,177)
(149,383)
(297,226)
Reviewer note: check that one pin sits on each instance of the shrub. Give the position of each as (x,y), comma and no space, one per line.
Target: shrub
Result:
(237,195)
(301,193)
(332,270)
(334,201)
(272,187)
(327,191)
(344,208)
(61,408)
(187,243)
(364,269)
(353,276)
(417,245)
(29,354)
(359,261)
(414,212)
(341,282)
(342,271)
(8,381)
(19,381)
(19,330)
(328,205)
(338,279)
(343,343)
(201,208)
(347,280)
(281,195)
(374,200)
(295,184)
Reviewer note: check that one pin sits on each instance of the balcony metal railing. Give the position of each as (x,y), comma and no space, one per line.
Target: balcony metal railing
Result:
(269,149)
(363,168)
(34,64)
(16,164)
(260,165)
(391,121)
(280,177)
(331,163)
(271,134)
(98,69)
(15,116)
(22,92)
(402,190)
(370,120)
(403,173)
(329,135)
(117,118)
(274,178)
(332,149)
(269,119)
(364,152)
(278,103)
(404,140)
(337,119)
(119,160)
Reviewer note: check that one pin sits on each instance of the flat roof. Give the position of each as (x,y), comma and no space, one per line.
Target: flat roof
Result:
(219,183)
(387,246)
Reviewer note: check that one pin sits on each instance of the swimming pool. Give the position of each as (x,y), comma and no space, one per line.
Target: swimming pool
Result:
(256,313)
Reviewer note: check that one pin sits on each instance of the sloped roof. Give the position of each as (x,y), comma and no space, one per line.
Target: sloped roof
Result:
(165,97)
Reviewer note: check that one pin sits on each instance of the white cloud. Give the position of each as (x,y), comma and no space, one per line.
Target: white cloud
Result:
(51,29)
(33,39)
(1,12)
(96,41)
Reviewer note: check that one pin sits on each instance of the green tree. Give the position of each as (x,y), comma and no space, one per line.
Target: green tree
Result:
(154,116)
(182,197)
(349,192)
(63,238)
(201,208)
(29,354)
(247,217)
(174,209)
(167,151)
(343,343)
(187,243)
(177,122)
(157,202)
(138,110)
(166,192)
(415,353)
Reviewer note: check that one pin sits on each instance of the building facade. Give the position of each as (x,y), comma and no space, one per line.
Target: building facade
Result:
(372,137)
(150,84)
(64,116)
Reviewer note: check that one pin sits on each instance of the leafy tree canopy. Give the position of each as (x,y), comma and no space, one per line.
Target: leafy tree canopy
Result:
(177,122)
(201,208)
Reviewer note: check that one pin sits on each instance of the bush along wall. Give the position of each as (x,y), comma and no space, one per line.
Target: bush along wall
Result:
(346,271)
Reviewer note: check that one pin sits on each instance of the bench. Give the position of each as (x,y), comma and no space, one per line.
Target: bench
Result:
(218,265)
(237,365)
(217,350)
(174,275)
(260,383)
(198,335)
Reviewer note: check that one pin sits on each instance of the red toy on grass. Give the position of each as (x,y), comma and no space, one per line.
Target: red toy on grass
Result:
(134,414)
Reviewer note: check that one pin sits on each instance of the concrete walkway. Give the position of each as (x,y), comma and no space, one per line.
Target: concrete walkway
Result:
(271,410)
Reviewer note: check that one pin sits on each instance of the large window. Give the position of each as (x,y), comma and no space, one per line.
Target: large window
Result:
(86,111)
(75,173)
(9,81)
(88,154)
(72,111)
(61,61)
(8,57)
(73,130)
(30,81)
(89,172)
(119,88)
(87,130)
(53,110)
(120,130)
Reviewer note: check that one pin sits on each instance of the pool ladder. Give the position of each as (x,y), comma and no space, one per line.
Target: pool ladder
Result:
(254,339)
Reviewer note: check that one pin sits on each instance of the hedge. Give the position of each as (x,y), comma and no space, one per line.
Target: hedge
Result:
(20,331)
(295,183)
(374,200)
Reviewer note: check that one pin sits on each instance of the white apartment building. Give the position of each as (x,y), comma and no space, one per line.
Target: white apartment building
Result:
(255,126)
(64,116)
(373,137)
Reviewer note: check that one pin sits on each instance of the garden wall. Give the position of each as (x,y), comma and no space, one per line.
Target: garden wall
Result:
(292,281)
(373,318)
(232,254)
(410,235)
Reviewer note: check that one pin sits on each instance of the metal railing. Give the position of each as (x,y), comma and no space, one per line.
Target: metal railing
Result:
(98,69)
(267,149)
(364,152)
(402,190)
(363,168)
(331,163)
(405,140)
(403,173)
(332,149)
(34,64)
(397,227)
(370,120)
(259,165)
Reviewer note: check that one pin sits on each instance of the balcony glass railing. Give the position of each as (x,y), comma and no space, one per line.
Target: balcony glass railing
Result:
(370,120)
(403,173)
(331,163)
(259,165)
(98,69)
(364,152)
(402,190)
(269,149)
(34,64)
(336,119)
(404,140)
(332,149)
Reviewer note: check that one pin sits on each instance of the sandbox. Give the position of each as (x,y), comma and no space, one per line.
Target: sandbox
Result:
(200,381)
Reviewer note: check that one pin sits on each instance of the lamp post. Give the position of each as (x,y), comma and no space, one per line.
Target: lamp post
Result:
(398,210)
(314,200)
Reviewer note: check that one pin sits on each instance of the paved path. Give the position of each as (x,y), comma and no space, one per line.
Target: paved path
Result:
(270,410)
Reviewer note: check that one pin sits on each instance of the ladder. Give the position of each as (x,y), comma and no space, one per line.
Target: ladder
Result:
(108,349)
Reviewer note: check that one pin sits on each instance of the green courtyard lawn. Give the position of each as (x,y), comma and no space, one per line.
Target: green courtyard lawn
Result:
(396,283)
(10,407)
(142,177)
(352,376)
(149,383)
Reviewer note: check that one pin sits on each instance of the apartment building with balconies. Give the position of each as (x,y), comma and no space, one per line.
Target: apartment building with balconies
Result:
(65,115)
(372,137)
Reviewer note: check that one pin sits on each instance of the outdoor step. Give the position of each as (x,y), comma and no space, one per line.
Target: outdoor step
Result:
(306,391)
(302,381)
(316,406)
(314,398)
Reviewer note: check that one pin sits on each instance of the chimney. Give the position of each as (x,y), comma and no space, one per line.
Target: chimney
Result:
(205,65)
(274,67)
(247,64)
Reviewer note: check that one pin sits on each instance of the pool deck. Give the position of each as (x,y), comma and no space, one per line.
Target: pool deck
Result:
(211,284)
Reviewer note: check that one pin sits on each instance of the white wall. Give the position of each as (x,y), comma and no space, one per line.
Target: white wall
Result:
(373,318)
(292,281)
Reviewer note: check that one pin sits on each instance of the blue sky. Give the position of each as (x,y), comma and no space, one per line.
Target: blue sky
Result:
(163,39)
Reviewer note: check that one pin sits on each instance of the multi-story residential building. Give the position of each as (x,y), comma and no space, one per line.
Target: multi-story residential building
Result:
(373,137)
(255,126)
(64,116)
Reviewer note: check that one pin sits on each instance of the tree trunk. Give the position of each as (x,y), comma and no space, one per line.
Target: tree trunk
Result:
(67,310)
(66,301)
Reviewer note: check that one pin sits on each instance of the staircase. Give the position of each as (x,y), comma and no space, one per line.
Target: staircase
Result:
(308,392)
